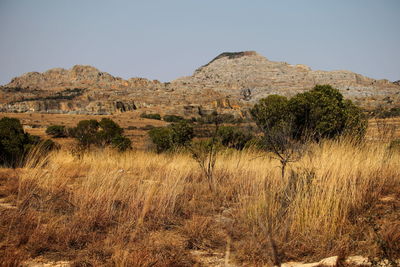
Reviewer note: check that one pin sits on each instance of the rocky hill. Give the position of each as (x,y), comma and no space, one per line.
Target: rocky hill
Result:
(253,76)
(231,82)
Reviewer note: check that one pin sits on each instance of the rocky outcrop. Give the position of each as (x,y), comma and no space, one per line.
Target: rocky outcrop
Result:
(248,76)
(82,89)
(78,76)
(231,83)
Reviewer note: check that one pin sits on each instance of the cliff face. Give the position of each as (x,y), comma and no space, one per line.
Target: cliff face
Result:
(229,83)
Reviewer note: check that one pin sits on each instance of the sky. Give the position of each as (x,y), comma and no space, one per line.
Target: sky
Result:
(165,40)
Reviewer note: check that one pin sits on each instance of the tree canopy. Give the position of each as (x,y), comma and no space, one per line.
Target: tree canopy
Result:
(319,113)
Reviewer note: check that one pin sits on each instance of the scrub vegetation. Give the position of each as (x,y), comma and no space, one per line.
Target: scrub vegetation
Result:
(301,189)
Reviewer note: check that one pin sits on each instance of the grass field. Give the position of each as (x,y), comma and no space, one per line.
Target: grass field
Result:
(145,209)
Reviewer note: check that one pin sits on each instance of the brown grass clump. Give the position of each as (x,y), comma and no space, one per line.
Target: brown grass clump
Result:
(145,209)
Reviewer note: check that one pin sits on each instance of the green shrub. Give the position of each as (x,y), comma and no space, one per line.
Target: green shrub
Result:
(172,136)
(173,118)
(56,131)
(86,132)
(49,145)
(121,143)
(271,112)
(356,122)
(182,133)
(14,142)
(101,134)
(319,113)
(233,137)
(162,138)
(108,131)
(153,116)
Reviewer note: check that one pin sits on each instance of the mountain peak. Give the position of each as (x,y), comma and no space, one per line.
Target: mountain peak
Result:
(232,55)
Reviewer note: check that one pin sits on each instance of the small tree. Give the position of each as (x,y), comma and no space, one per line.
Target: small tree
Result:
(56,131)
(162,138)
(86,132)
(103,133)
(15,143)
(205,152)
(121,143)
(280,141)
(172,136)
(356,122)
(182,133)
(233,137)
(270,112)
(108,131)
(321,112)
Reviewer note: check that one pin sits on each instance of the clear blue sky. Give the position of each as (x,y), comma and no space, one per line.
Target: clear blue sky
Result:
(166,39)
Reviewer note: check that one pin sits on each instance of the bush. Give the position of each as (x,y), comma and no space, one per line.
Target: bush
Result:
(173,118)
(14,142)
(162,138)
(103,133)
(233,137)
(154,116)
(121,143)
(109,130)
(271,112)
(86,132)
(182,133)
(319,113)
(172,136)
(56,131)
(356,121)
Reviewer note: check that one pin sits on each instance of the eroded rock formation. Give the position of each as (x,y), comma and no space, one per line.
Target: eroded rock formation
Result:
(230,82)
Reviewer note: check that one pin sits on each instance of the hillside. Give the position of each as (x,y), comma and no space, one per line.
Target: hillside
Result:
(230,83)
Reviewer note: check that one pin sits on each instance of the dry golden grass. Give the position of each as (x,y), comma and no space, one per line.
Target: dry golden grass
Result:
(145,209)
(383,129)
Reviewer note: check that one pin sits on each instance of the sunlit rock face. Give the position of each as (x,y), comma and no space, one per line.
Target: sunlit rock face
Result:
(229,83)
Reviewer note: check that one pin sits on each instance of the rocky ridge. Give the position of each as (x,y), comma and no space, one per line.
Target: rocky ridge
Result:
(238,74)
(230,83)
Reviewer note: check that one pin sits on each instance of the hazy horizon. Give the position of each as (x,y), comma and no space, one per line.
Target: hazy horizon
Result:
(167,40)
